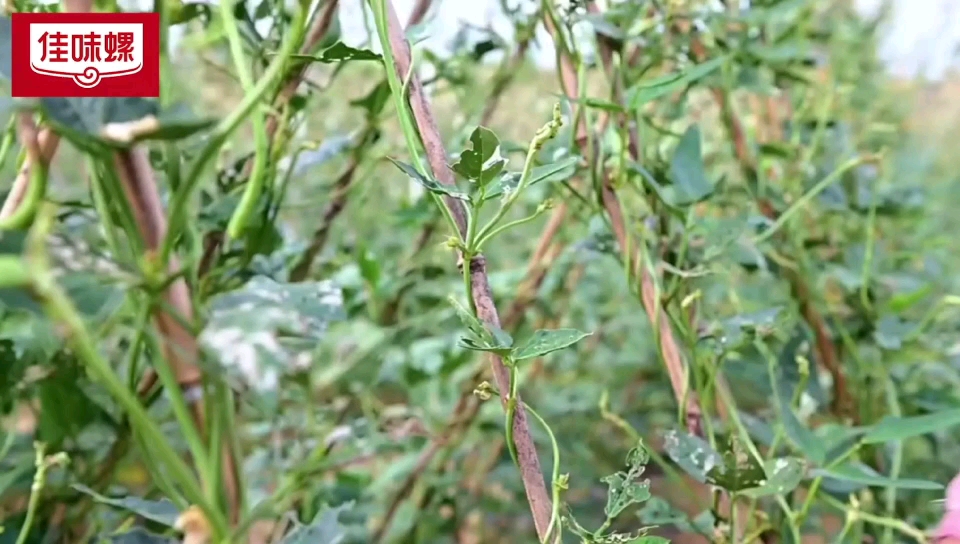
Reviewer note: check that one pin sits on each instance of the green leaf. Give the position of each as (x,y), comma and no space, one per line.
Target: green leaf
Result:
(659,512)
(692,453)
(647,91)
(500,342)
(687,170)
(325,528)
(375,100)
(890,332)
(862,474)
(648,539)
(624,487)
(604,105)
(891,429)
(486,337)
(186,12)
(555,171)
(662,193)
(340,52)
(739,471)
(802,438)
(482,162)
(547,341)
(14,475)
(163,511)
(783,476)
(266,328)
(470,321)
(760,323)
(431,185)
(92,123)
(794,50)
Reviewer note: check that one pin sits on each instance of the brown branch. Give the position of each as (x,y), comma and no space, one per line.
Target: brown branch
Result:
(529,462)
(468,406)
(180,346)
(501,81)
(669,349)
(47,145)
(825,348)
(420,10)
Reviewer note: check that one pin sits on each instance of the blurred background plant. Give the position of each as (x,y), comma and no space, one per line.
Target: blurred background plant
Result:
(709,266)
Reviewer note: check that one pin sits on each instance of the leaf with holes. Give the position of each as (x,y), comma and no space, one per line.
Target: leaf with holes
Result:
(499,342)
(431,185)
(482,162)
(625,488)
(547,341)
(739,471)
(470,321)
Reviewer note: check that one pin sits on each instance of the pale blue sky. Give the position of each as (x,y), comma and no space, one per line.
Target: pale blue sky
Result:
(921,39)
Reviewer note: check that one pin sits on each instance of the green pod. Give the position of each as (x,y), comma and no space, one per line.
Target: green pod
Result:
(23,216)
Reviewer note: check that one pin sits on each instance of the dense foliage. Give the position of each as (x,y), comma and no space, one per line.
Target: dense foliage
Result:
(703,264)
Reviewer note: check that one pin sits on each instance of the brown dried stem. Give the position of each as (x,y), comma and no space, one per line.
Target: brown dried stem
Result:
(669,348)
(47,145)
(180,346)
(468,406)
(420,10)
(529,462)
(501,82)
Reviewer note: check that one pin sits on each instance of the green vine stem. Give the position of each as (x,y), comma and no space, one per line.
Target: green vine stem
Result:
(254,188)
(267,82)
(35,268)
(24,213)
(43,464)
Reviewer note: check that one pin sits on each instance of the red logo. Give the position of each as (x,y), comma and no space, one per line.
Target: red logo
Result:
(85,55)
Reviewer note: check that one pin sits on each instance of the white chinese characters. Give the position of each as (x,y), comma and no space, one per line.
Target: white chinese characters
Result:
(86,52)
